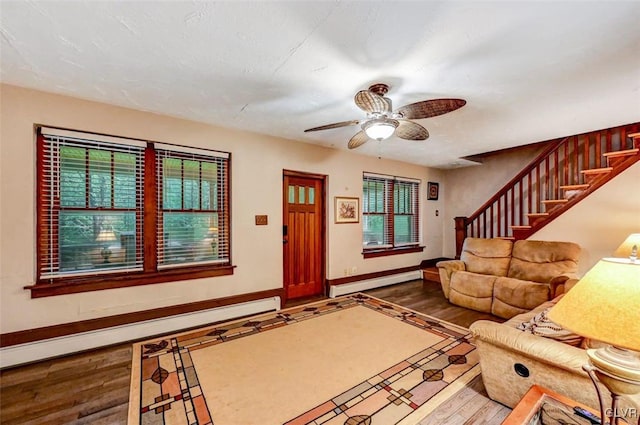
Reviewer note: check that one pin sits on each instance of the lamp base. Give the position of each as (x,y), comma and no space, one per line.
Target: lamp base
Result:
(105,253)
(618,370)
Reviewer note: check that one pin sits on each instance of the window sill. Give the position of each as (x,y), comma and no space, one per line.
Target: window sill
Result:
(372,253)
(62,286)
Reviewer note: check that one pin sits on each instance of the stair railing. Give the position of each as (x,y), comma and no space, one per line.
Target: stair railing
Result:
(550,179)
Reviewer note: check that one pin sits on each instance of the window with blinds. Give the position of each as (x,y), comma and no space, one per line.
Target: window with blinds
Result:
(130,208)
(192,212)
(91,206)
(390,213)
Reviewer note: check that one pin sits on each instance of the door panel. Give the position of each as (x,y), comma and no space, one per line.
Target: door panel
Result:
(303,241)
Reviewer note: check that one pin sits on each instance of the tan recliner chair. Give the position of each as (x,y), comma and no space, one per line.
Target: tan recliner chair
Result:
(504,278)
(512,361)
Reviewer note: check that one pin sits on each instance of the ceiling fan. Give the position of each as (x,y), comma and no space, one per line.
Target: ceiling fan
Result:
(382,122)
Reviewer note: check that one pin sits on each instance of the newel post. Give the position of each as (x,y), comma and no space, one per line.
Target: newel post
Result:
(461,233)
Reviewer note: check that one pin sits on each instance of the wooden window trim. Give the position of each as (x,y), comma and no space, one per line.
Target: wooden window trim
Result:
(390,185)
(149,274)
(373,253)
(74,285)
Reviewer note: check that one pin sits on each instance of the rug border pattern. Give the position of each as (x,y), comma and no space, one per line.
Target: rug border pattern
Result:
(190,400)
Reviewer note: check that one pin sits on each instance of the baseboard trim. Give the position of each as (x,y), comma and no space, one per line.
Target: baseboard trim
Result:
(363,285)
(30,335)
(370,276)
(53,347)
(432,262)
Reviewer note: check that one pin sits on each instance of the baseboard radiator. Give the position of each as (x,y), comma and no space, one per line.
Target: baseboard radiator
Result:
(363,285)
(43,349)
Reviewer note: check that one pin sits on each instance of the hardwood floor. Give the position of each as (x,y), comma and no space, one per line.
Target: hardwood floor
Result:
(428,298)
(93,387)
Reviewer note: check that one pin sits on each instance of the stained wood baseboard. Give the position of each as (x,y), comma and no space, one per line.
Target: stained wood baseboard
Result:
(369,276)
(47,332)
(139,326)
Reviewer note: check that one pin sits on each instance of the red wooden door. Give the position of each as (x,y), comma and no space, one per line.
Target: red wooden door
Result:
(303,234)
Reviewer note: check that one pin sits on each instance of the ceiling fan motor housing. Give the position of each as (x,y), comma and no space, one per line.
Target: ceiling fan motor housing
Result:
(380,89)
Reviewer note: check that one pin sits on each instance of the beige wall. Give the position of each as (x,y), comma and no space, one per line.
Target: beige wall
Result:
(598,224)
(468,188)
(257,164)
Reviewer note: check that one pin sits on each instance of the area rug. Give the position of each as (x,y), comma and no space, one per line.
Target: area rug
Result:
(345,361)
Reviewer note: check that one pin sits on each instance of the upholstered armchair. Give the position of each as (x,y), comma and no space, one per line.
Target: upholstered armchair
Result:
(513,357)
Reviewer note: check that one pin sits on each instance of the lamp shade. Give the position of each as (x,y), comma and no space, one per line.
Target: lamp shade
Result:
(625,249)
(604,305)
(106,236)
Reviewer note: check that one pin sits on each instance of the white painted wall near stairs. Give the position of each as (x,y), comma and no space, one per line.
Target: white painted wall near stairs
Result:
(601,221)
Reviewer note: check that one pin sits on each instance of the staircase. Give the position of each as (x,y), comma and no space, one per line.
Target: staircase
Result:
(564,173)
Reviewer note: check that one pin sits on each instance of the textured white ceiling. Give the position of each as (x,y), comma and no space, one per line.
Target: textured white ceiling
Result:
(529,70)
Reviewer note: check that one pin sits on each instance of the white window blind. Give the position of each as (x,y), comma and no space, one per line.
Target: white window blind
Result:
(91,204)
(192,207)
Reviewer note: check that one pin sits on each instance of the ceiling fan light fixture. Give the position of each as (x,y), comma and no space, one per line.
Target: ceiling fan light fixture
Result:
(380,128)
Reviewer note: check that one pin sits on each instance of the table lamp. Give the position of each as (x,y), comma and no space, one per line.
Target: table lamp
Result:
(106,236)
(212,235)
(629,248)
(605,306)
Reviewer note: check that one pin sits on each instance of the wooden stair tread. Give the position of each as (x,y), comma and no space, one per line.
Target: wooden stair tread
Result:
(628,152)
(634,135)
(575,186)
(537,214)
(521,227)
(431,274)
(598,170)
(555,201)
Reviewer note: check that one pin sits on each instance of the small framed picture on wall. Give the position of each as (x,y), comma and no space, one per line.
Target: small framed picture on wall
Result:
(347,210)
(433,190)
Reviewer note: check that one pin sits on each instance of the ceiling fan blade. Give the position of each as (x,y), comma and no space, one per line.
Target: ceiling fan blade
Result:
(371,102)
(359,139)
(430,108)
(334,125)
(409,130)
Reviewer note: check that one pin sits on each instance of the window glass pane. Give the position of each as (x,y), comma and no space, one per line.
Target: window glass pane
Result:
(374,197)
(402,232)
(301,197)
(190,237)
(99,178)
(72,177)
(172,183)
(312,195)
(402,198)
(124,190)
(373,230)
(191,181)
(209,187)
(93,240)
(292,194)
